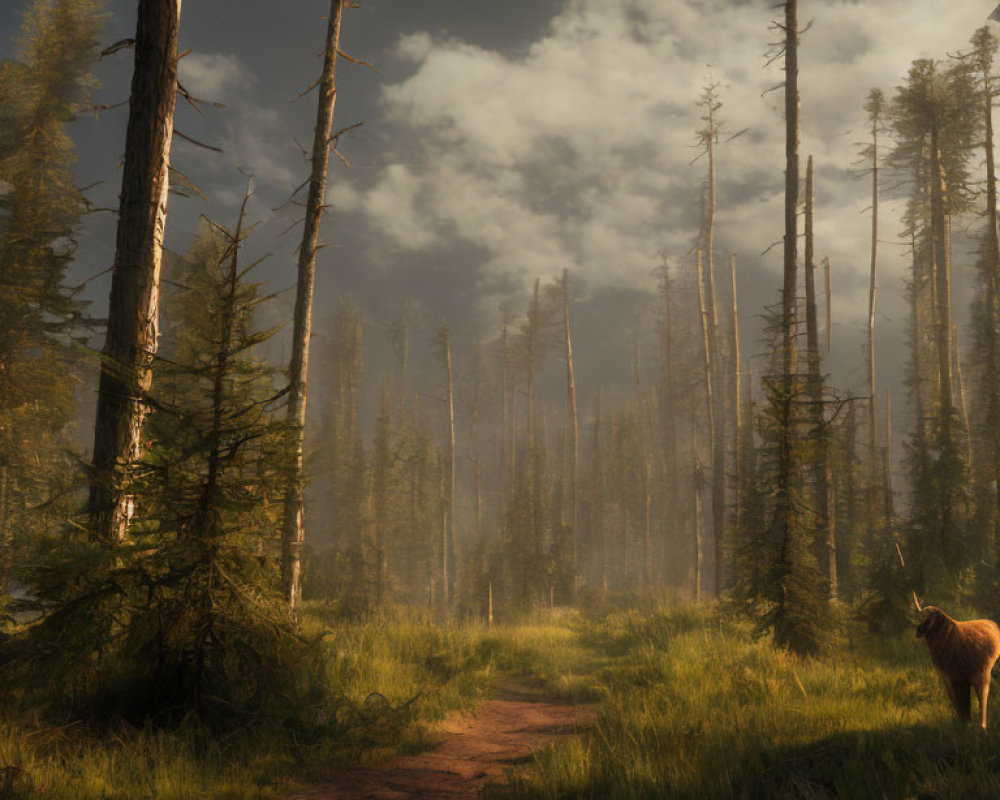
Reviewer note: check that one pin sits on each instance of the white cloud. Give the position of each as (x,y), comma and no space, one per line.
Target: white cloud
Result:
(576,151)
(214,77)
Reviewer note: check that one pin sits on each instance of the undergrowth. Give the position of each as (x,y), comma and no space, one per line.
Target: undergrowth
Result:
(387,680)
(695,707)
(689,705)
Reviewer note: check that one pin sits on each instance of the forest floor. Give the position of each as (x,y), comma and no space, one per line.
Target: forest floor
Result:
(477,750)
(593,704)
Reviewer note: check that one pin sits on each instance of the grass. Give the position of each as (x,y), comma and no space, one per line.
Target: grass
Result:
(389,680)
(689,704)
(696,708)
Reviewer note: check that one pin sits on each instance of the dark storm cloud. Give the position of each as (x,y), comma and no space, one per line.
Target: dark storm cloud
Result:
(505,141)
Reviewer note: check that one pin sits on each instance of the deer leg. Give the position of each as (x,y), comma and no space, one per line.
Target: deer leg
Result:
(982,693)
(961,699)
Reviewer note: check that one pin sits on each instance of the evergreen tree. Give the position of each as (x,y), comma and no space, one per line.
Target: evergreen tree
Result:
(188,616)
(935,123)
(40,211)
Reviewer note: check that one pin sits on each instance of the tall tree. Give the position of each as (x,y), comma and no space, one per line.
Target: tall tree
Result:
(822,506)
(293,528)
(448,542)
(708,138)
(573,437)
(793,589)
(986,311)
(40,209)
(133,312)
(709,335)
(936,124)
(875,109)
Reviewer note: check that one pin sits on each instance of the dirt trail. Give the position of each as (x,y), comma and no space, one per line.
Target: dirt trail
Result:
(477,750)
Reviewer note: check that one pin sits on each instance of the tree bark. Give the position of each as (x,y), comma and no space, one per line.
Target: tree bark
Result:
(448,551)
(133,314)
(293,528)
(821,464)
(737,377)
(940,247)
(872,290)
(573,425)
(709,341)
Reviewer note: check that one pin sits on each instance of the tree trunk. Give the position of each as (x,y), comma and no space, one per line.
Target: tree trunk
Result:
(959,391)
(573,425)
(133,313)
(506,446)
(940,247)
(5,537)
(783,507)
(293,529)
(821,464)
(992,366)
(718,474)
(890,510)
(829,305)
(872,289)
(668,417)
(737,437)
(448,554)
(788,294)
(534,324)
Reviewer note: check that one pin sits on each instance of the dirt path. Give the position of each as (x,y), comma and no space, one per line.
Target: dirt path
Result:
(478,749)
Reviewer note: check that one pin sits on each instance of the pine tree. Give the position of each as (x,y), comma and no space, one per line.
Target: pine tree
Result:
(935,123)
(188,616)
(40,210)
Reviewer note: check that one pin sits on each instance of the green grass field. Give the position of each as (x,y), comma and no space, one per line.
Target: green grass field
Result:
(689,706)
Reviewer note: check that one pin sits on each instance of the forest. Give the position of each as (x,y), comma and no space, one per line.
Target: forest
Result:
(663,540)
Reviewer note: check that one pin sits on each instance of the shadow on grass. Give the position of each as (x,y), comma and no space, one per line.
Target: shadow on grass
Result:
(919,762)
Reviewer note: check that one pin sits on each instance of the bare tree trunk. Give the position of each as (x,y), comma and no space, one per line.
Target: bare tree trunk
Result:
(506,449)
(133,314)
(829,305)
(668,417)
(875,113)
(5,537)
(698,551)
(293,533)
(448,544)
(598,498)
(647,543)
(736,401)
(821,465)
(574,435)
(788,294)
(534,325)
(959,391)
(942,276)
(890,510)
(986,46)
(718,474)
(783,506)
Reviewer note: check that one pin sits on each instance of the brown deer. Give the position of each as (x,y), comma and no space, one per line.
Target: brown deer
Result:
(963,654)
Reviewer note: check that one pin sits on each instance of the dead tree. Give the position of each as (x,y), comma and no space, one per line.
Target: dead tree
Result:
(293,532)
(133,312)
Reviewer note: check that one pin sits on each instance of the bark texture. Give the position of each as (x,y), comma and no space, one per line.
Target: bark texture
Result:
(133,313)
(293,532)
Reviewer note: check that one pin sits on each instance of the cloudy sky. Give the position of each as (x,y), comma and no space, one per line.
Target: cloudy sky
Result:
(508,141)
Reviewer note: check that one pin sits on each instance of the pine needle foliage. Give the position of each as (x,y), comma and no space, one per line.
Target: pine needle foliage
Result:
(777,576)
(187,616)
(41,319)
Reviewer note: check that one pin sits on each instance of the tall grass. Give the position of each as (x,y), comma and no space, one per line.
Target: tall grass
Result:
(690,705)
(386,681)
(696,708)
